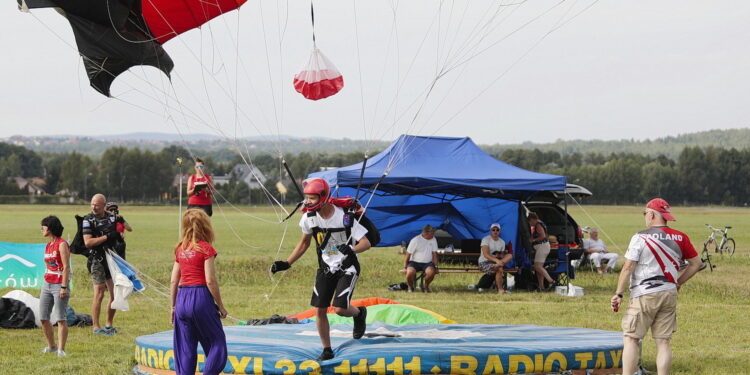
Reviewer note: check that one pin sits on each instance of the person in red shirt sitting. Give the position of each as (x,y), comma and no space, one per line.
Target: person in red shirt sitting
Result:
(196,300)
(199,188)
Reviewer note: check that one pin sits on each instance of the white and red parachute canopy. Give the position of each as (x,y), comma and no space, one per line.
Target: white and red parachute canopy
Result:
(319,78)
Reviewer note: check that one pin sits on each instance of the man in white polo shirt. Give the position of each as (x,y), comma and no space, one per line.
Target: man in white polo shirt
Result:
(421,256)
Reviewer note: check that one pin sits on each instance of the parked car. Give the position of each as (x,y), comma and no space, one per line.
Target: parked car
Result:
(550,207)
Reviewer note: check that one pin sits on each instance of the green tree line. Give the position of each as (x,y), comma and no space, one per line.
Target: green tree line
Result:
(698,176)
(710,175)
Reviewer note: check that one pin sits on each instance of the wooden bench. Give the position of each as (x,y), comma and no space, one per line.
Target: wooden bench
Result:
(446,270)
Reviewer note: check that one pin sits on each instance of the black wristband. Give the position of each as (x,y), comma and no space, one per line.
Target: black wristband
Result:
(63,287)
(619,295)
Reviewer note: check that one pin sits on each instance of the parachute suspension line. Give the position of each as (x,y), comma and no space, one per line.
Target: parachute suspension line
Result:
(312,19)
(374,120)
(270,274)
(359,71)
(369,200)
(236,75)
(280,34)
(479,34)
(397,118)
(398,68)
(505,37)
(270,75)
(520,58)
(458,28)
(595,223)
(440,72)
(426,97)
(217,128)
(250,165)
(403,82)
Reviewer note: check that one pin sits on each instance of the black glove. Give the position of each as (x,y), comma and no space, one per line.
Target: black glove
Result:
(280,265)
(113,236)
(346,250)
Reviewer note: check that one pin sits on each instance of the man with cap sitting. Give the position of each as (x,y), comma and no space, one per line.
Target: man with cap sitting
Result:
(421,256)
(652,264)
(495,255)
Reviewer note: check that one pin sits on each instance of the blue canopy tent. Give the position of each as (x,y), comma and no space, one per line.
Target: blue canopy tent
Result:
(446,182)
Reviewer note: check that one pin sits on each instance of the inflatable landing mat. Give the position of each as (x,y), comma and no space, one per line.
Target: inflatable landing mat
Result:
(411,349)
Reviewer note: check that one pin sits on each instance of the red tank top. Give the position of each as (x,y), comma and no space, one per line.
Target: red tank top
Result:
(192,263)
(203,197)
(53,260)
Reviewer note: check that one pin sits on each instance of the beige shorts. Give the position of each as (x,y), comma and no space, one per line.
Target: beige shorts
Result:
(542,250)
(657,311)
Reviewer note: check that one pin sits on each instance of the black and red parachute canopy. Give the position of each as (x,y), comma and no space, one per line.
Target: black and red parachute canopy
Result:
(114,35)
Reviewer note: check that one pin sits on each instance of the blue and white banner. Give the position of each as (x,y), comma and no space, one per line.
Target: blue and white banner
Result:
(22,265)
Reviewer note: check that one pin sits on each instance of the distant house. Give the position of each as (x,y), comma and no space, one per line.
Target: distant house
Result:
(31,185)
(251,175)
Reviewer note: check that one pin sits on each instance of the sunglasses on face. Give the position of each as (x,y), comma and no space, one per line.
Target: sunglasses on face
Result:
(200,166)
(495,230)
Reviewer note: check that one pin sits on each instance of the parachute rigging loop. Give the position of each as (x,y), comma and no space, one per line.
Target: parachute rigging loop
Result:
(319,78)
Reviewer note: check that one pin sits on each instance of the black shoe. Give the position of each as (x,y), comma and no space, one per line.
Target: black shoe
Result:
(326,355)
(360,323)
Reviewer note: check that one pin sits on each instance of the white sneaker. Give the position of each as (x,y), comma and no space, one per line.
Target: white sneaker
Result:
(49,349)
(471,286)
(480,290)
(61,353)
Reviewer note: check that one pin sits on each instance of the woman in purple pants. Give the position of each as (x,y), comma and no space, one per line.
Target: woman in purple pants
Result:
(196,300)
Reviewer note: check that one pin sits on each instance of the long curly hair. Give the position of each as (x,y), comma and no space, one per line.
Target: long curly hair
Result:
(196,226)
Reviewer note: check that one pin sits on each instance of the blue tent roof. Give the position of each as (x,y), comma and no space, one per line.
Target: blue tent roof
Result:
(442,165)
(449,183)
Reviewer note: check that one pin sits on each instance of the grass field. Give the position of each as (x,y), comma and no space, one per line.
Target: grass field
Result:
(712,337)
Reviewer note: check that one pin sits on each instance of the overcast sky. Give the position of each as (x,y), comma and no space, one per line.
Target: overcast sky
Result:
(636,69)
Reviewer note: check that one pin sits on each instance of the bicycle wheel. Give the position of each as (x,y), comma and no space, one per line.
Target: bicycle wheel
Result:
(728,247)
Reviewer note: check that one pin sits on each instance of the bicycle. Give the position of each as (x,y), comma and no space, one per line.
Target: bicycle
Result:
(725,246)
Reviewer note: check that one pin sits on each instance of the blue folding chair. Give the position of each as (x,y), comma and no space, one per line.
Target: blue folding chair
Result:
(559,268)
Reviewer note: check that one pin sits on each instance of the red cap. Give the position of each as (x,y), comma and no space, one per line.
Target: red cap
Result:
(661,206)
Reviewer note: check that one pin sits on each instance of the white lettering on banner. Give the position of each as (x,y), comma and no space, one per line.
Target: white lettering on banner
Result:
(665,236)
(19,259)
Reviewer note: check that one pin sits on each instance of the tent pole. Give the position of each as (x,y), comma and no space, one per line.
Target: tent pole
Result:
(179,212)
(567,245)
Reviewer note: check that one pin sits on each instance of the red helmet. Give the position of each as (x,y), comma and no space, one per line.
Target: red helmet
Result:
(319,187)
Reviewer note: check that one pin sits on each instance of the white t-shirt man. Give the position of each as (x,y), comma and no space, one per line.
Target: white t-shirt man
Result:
(597,244)
(421,249)
(495,247)
(330,254)
(601,254)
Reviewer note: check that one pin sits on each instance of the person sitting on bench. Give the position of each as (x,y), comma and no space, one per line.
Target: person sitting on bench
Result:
(421,256)
(495,255)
